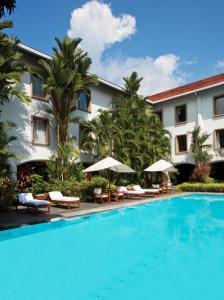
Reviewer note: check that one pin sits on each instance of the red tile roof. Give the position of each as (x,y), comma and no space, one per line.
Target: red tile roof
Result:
(188,88)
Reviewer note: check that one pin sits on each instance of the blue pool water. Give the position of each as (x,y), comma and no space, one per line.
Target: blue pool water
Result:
(167,250)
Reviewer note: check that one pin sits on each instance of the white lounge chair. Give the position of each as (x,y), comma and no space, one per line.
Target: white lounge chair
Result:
(100,196)
(152,192)
(128,193)
(58,198)
(26,199)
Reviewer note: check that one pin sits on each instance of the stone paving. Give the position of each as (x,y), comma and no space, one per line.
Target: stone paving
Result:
(15,218)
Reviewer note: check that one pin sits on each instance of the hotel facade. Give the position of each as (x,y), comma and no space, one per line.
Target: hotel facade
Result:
(35,128)
(200,103)
(180,110)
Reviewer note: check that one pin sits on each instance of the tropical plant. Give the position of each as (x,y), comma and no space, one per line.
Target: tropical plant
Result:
(66,76)
(131,132)
(200,173)
(8,5)
(63,166)
(7,193)
(5,140)
(11,67)
(199,149)
(37,184)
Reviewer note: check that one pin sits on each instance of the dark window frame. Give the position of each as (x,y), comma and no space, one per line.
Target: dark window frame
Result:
(216,140)
(160,111)
(45,95)
(89,103)
(177,148)
(214,105)
(47,131)
(176,115)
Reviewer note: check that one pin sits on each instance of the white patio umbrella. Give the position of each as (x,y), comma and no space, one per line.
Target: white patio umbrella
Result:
(161,166)
(111,164)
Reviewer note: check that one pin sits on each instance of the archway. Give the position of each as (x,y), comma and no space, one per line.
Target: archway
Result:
(184,172)
(217,170)
(32,167)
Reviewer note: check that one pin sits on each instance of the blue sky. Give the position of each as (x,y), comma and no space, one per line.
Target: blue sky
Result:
(169,42)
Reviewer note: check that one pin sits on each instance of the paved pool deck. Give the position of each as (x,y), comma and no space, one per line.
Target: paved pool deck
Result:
(15,218)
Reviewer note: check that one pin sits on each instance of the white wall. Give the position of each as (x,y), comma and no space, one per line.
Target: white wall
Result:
(199,112)
(21,115)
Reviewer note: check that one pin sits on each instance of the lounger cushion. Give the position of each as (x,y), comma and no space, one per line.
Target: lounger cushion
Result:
(152,190)
(25,197)
(122,189)
(55,195)
(38,202)
(137,187)
(135,193)
(72,199)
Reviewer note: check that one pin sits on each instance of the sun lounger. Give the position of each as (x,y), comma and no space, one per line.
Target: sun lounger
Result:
(26,199)
(152,192)
(128,193)
(58,198)
(100,196)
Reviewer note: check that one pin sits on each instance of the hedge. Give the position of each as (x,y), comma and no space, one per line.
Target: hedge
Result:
(84,189)
(201,187)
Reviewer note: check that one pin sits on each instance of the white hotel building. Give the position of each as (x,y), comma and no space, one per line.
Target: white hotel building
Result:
(199,103)
(35,131)
(182,108)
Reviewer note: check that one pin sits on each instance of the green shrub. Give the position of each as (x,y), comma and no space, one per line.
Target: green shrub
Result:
(76,172)
(38,185)
(84,189)
(201,187)
(208,179)
(7,194)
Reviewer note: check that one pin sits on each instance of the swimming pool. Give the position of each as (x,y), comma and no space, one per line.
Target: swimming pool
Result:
(166,250)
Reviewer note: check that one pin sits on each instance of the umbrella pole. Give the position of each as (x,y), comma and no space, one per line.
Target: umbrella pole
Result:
(109,177)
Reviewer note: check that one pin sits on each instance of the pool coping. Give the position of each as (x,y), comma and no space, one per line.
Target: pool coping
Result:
(104,208)
(136,202)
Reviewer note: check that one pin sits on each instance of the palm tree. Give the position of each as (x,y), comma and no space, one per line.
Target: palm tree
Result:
(8,5)
(5,140)
(66,76)
(131,132)
(11,67)
(198,146)
(132,84)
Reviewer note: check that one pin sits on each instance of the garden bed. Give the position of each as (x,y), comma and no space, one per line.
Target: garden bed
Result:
(201,187)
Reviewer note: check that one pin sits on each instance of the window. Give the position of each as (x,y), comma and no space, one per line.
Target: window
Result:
(85,102)
(181,143)
(219,105)
(219,139)
(37,88)
(160,115)
(180,113)
(40,131)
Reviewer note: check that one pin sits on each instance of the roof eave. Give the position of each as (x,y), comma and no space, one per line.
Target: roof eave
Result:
(185,94)
(46,56)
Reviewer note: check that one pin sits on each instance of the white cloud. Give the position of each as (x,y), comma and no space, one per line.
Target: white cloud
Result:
(159,74)
(220,64)
(100,29)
